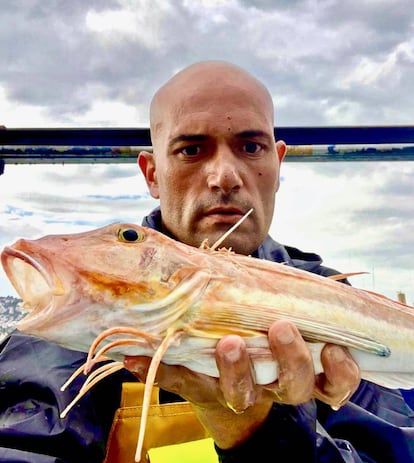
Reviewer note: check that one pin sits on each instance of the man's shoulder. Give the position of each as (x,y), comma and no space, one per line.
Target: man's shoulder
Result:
(295,257)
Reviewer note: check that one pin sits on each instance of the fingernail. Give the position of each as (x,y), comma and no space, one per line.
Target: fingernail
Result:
(230,348)
(233,354)
(286,335)
(338,354)
(135,367)
(237,411)
(343,401)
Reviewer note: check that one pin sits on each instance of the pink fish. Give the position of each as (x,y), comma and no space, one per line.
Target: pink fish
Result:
(150,295)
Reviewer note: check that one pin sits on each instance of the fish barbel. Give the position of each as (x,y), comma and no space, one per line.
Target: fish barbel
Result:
(153,296)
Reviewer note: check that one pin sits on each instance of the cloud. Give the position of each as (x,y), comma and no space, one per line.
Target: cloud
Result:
(97,63)
(93,60)
(358,215)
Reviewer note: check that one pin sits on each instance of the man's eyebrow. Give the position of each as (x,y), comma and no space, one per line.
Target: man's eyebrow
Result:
(187,138)
(254,134)
(245,134)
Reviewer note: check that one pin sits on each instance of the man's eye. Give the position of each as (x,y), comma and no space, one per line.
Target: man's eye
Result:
(192,150)
(251,147)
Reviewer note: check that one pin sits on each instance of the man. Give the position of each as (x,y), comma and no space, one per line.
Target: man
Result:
(214,158)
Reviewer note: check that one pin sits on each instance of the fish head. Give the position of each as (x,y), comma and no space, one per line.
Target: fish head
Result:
(77,285)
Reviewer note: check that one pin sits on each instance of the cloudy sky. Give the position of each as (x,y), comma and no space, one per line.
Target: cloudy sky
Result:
(97,63)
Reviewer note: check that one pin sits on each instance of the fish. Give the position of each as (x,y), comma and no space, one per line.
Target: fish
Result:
(124,289)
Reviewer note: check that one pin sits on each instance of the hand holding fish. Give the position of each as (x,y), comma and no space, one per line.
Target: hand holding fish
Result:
(297,381)
(233,406)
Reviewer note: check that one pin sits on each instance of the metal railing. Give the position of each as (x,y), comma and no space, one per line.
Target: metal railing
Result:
(121,145)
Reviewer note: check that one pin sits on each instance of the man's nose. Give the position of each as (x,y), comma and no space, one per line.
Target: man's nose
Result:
(224,172)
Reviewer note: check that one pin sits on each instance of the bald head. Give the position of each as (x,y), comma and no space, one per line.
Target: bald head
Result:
(203,82)
(214,155)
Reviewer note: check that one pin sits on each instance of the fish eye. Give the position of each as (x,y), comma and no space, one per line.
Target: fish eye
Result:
(130,235)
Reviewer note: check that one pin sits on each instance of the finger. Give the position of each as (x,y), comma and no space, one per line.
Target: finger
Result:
(296,377)
(168,376)
(138,366)
(236,373)
(340,378)
(197,388)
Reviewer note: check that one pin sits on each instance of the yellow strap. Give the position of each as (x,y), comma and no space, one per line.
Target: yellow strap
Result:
(133,395)
(168,424)
(199,451)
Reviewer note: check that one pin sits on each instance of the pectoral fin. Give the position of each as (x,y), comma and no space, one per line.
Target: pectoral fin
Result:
(313,331)
(157,316)
(245,321)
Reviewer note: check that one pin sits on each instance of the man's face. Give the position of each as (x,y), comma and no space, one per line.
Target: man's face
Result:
(214,159)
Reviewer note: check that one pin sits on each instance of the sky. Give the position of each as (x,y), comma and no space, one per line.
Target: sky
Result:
(325,62)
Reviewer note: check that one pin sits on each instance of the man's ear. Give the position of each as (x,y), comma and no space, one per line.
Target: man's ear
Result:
(146,163)
(281,149)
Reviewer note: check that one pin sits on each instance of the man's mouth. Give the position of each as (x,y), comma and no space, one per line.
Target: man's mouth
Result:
(225,216)
(230,217)
(225,212)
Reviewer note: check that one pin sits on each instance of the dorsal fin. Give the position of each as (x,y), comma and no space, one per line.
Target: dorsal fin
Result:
(387,298)
(343,276)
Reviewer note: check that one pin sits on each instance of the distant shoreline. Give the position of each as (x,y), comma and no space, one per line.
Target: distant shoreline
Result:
(10,314)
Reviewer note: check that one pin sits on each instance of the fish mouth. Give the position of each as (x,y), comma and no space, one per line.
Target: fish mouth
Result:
(34,281)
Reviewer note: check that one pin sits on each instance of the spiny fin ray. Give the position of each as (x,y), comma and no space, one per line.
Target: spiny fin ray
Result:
(343,276)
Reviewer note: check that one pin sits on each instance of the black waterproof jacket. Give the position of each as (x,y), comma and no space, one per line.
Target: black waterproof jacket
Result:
(31,374)
(377,426)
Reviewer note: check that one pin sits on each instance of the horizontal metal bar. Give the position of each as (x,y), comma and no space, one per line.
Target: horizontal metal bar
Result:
(369,152)
(16,154)
(141,136)
(54,151)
